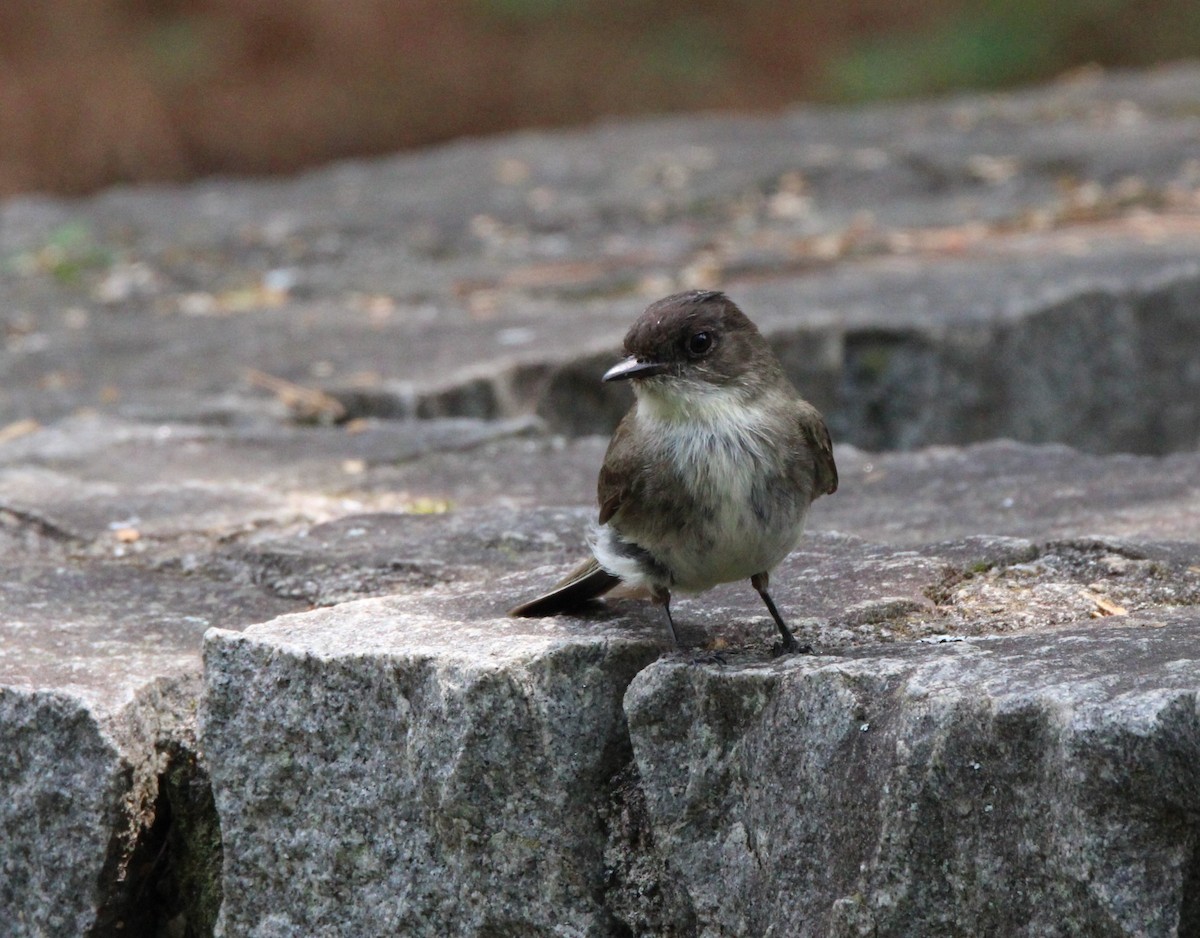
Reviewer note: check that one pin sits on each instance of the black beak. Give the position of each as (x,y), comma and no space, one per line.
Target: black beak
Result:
(633,368)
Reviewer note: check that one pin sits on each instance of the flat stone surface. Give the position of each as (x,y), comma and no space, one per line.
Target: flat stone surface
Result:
(437,283)
(942,311)
(206,403)
(102,629)
(1042,784)
(1000,487)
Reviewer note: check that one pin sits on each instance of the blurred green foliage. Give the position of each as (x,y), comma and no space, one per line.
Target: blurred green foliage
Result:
(688,50)
(69,253)
(994,43)
(179,49)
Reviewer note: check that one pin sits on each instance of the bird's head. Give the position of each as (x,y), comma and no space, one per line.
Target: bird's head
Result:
(691,348)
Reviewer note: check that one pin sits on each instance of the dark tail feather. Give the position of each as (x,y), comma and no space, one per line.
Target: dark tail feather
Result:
(587,581)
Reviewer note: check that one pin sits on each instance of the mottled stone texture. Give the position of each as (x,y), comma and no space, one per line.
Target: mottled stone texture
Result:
(1040,785)
(62,779)
(379,774)
(84,818)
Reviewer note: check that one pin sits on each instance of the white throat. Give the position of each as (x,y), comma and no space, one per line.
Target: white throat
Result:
(681,402)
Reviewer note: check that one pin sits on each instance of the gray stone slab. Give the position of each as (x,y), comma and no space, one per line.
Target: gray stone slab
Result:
(1041,785)
(436,777)
(169,492)
(350,703)
(99,680)
(1014,490)
(899,352)
(107,528)
(62,779)
(880,565)
(436,283)
(892,608)
(938,493)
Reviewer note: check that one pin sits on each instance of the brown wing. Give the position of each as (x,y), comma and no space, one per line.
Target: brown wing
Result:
(620,470)
(825,476)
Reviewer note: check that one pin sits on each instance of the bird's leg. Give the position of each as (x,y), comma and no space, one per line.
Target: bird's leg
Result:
(662,598)
(760,582)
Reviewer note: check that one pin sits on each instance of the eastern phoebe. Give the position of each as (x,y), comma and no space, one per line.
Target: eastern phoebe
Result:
(709,476)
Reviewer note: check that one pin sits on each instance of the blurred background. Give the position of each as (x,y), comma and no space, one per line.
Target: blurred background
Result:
(94,92)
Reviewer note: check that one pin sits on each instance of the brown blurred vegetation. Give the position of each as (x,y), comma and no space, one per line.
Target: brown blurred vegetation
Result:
(100,91)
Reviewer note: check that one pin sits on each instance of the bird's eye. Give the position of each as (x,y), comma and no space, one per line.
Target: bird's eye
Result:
(699,343)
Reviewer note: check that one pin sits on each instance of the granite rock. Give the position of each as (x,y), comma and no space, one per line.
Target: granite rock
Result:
(964,679)
(1033,785)
(82,823)
(381,770)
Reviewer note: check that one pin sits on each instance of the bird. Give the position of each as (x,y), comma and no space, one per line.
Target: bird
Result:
(709,476)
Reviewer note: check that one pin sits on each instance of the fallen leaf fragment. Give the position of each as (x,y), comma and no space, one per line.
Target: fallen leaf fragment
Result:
(1104,607)
(306,403)
(18,428)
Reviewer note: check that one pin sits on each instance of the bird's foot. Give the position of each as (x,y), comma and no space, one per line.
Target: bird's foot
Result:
(781,648)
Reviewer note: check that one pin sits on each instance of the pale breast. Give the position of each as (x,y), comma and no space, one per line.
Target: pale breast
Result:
(748,516)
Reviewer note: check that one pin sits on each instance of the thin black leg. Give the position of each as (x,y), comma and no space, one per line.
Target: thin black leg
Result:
(666,605)
(790,646)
